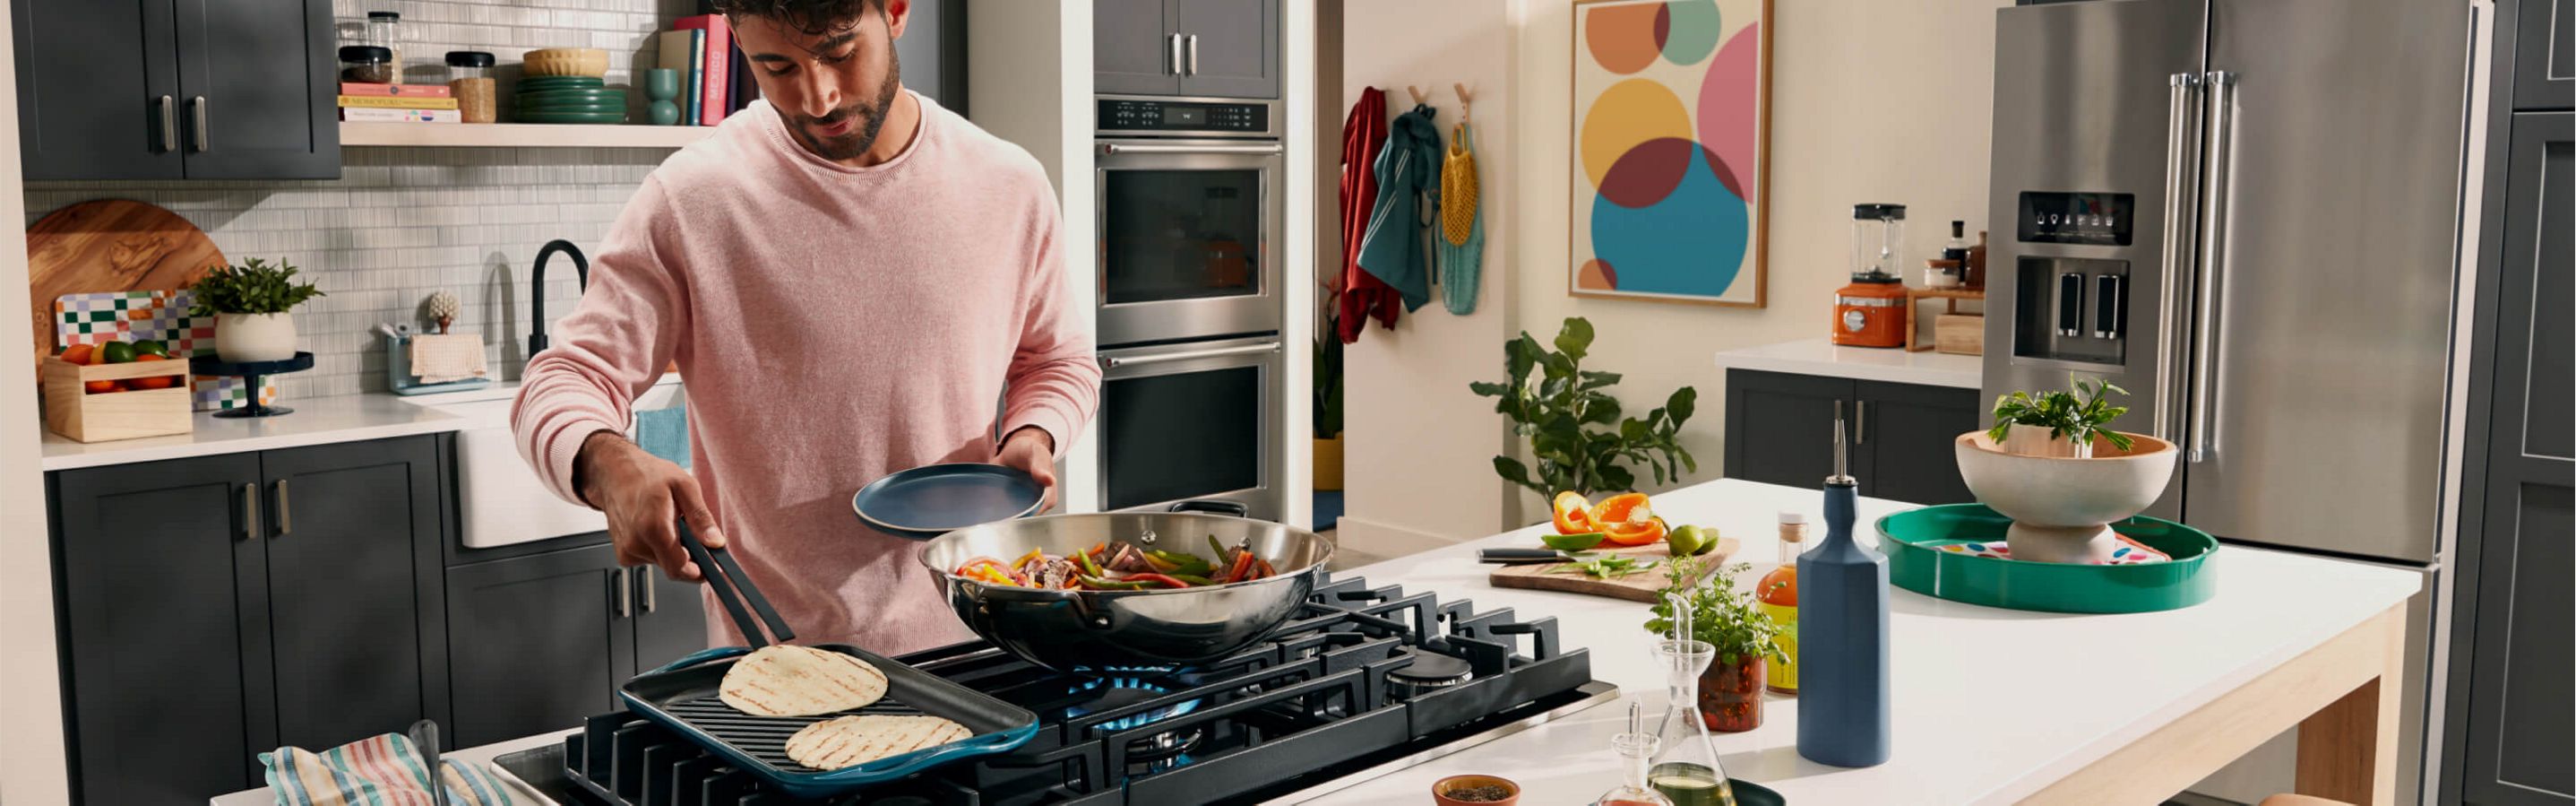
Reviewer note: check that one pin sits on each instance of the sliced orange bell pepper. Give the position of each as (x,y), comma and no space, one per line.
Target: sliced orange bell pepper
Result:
(1627,520)
(1573,514)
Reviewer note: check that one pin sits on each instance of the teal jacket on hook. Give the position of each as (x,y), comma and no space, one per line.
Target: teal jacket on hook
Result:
(1408,172)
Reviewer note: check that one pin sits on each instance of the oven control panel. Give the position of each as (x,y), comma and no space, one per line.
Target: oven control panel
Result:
(1183,116)
(2093,219)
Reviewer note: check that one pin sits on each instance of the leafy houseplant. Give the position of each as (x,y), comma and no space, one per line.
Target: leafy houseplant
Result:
(1574,426)
(2073,420)
(250,304)
(1328,395)
(1730,690)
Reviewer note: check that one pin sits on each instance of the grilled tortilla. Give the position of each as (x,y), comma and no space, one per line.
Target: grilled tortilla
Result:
(836,743)
(800,681)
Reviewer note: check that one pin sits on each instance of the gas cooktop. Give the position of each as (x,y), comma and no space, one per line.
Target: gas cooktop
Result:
(1361,682)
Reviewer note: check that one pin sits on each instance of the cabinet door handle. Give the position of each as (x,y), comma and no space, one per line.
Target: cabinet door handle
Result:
(197,106)
(285,521)
(1172,53)
(644,583)
(169,124)
(625,592)
(1860,422)
(250,512)
(1192,40)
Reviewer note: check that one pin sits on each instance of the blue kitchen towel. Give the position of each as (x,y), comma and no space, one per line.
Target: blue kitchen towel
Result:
(380,769)
(664,432)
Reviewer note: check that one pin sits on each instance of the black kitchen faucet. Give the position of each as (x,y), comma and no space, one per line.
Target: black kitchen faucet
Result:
(537,289)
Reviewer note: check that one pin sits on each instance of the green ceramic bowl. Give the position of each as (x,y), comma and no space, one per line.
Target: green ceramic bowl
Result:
(570,117)
(553,82)
(1911,540)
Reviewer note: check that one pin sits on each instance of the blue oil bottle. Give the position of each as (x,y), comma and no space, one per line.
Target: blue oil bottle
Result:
(1843,716)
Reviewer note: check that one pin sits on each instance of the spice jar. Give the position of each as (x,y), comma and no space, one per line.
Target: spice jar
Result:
(366,64)
(384,30)
(469,78)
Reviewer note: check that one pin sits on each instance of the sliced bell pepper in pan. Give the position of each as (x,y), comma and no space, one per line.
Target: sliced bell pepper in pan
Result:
(1158,579)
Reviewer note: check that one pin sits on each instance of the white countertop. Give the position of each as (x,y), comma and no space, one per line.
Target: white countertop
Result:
(1990,705)
(315,421)
(1894,365)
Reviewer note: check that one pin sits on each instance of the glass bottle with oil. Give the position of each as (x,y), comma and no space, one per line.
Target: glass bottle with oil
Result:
(1777,595)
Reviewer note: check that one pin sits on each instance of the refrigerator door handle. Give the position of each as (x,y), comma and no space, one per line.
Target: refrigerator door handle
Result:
(2182,155)
(2212,279)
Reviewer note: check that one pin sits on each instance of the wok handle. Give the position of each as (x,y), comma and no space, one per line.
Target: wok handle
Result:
(724,576)
(1234,508)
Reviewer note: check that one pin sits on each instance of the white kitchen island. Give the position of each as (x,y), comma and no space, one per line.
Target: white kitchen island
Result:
(1991,706)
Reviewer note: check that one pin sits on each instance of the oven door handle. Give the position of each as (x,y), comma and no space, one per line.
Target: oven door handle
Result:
(1114,362)
(1265,150)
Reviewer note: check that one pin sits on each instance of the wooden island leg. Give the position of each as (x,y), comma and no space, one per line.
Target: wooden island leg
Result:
(2348,750)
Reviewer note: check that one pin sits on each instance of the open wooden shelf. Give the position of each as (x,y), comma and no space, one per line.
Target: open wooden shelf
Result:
(520,135)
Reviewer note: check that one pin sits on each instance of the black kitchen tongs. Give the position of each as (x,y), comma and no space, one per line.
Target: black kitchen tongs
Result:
(724,576)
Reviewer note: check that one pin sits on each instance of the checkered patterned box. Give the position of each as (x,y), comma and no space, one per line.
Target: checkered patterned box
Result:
(157,315)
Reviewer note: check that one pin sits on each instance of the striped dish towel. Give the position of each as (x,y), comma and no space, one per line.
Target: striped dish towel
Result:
(380,770)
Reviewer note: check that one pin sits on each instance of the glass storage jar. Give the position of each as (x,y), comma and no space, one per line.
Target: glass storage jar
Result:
(469,78)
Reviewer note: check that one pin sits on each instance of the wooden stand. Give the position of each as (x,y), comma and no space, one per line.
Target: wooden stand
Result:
(1949,296)
(70,410)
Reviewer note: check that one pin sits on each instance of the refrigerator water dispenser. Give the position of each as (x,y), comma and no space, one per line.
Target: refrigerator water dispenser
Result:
(2071,309)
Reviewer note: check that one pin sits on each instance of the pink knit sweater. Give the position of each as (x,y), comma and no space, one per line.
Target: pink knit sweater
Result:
(834,325)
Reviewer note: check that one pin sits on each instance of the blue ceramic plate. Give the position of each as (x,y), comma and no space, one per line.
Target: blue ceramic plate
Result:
(1748,793)
(926,502)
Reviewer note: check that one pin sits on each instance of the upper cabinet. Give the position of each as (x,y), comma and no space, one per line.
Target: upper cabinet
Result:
(176,89)
(2544,71)
(1215,48)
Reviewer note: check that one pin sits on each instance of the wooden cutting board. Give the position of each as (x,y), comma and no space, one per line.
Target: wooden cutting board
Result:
(1639,587)
(109,245)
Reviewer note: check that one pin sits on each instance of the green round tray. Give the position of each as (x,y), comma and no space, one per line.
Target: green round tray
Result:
(561,81)
(1914,562)
(570,117)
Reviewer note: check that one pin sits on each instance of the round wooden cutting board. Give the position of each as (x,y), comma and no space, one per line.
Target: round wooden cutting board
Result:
(110,245)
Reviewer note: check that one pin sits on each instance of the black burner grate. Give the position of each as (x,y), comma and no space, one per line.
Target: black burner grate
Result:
(1310,704)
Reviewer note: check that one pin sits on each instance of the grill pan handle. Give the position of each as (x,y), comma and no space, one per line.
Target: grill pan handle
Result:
(725,576)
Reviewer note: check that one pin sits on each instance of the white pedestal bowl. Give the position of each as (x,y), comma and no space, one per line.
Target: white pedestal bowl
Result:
(2062,506)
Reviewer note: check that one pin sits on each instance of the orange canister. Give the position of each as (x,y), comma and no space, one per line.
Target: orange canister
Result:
(1870,312)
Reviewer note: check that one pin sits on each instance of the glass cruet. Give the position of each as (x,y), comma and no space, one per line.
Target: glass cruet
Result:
(1636,748)
(1685,768)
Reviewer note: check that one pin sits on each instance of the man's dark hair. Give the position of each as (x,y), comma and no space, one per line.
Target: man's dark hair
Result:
(813,17)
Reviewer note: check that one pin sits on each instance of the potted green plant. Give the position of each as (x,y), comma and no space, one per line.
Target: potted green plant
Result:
(1732,623)
(1574,427)
(1328,402)
(2059,423)
(2053,464)
(251,302)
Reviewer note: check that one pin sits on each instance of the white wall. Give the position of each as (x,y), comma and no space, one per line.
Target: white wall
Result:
(32,755)
(1871,101)
(1417,467)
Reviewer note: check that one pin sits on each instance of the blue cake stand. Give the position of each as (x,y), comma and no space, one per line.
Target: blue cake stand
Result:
(250,372)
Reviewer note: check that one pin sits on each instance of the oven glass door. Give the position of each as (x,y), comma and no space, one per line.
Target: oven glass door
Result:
(1185,240)
(1192,422)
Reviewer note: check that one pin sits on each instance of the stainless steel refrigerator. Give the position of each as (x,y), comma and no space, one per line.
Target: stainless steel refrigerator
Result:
(2244,212)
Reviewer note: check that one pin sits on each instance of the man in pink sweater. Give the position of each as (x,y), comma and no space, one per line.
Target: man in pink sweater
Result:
(849,277)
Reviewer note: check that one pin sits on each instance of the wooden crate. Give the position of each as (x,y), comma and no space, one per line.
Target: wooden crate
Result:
(1959,334)
(70,410)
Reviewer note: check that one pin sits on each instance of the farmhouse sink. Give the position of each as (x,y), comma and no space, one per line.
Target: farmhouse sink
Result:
(499,498)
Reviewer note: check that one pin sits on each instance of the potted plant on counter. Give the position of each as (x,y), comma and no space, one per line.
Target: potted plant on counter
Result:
(251,304)
(1328,403)
(1731,622)
(1581,443)
(2053,464)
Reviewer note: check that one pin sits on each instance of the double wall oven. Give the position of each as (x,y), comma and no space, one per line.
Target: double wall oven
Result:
(1190,200)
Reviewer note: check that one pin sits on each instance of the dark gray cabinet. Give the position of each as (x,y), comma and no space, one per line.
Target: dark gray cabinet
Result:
(177,89)
(1218,48)
(2544,72)
(543,640)
(214,608)
(2514,625)
(539,643)
(1780,426)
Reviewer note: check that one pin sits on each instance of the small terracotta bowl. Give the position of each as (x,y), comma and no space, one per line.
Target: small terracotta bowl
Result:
(1440,790)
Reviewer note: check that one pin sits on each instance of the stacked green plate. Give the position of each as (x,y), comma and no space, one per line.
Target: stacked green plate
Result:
(1913,539)
(569,99)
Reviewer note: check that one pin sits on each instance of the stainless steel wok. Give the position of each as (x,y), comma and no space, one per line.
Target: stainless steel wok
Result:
(1098,632)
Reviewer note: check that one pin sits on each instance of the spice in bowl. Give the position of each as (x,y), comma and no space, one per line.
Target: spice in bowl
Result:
(1480,790)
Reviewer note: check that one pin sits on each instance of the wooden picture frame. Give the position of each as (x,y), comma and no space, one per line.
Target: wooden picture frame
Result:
(1652,170)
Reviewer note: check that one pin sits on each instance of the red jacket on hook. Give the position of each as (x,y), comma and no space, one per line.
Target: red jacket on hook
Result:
(1363,134)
